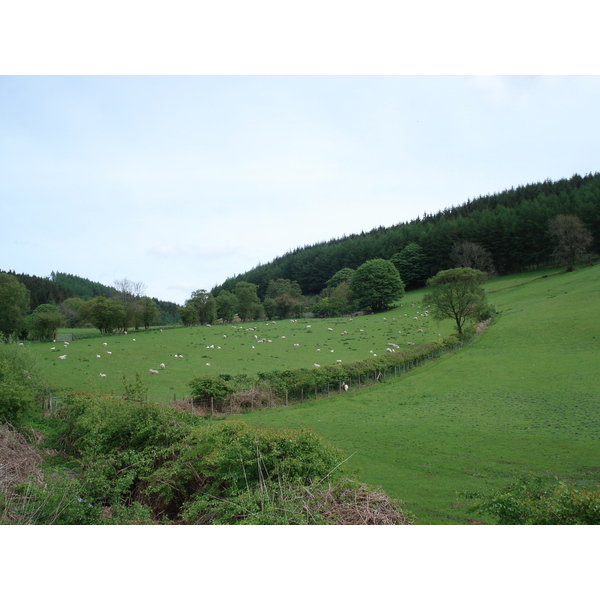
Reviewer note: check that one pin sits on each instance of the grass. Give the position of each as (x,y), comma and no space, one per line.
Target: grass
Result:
(239,352)
(523,397)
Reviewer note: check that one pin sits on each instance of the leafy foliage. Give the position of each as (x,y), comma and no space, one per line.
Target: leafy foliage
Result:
(44,321)
(376,284)
(571,238)
(532,501)
(14,304)
(457,294)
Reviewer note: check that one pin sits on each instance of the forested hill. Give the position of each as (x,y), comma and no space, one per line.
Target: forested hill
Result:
(512,225)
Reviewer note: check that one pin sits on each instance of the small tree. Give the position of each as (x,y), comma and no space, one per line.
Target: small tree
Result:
(149,311)
(472,255)
(206,388)
(411,263)
(14,305)
(456,294)
(377,284)
(226,305)
(43,322)
(571,239)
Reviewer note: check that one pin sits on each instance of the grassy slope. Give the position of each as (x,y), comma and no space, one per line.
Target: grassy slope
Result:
(81,368)
(524,397)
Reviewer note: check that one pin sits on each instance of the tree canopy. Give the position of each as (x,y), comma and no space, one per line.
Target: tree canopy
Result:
(456,294)
(377,284)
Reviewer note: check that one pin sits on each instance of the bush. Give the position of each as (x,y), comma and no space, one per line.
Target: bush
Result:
(533,501)
(20,383)
(206,388)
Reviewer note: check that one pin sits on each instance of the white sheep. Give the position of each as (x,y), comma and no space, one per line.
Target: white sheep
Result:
(162,366)
(104,344)
(97,356)
(153,371)
(108,352)
(63,357)
(102,375)
(316,365)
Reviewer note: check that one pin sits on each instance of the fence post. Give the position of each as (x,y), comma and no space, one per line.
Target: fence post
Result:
(212,407)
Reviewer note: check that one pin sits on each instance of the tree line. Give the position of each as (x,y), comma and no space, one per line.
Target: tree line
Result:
(512,226)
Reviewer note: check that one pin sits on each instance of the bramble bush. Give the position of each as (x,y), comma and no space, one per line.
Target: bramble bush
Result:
(532,501)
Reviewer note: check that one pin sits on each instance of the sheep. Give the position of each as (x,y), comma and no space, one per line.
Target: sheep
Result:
(316,365)
(53,348)
(162,366)
(108,352)
(339,360)
(329,329)
(102,375)
(415,318)
(63,357)
(104,344)
(21,344)
(419,331)
(153,371)
(97,356)
(208,364)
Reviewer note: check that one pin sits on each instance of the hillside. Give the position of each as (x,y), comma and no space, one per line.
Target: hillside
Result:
(512,225)
(522,398)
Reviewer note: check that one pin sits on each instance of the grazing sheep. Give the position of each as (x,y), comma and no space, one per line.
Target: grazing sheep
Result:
(345,386)
(108,352)
(162,366)
(53,348)
(97,356)
(102,375)
(316,365)
(329,329)
(104,344)
(153,371)
(63,357)
(419,331)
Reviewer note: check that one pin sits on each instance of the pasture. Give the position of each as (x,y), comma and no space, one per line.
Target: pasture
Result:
(524,397)
(232,349)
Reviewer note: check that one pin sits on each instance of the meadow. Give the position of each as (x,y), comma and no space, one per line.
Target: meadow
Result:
(229,349)
(524,397)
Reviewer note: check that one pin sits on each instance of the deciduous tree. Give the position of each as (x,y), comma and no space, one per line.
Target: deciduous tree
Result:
(43,322)
(377,284)
(456,294)
(14,305)
(571,239)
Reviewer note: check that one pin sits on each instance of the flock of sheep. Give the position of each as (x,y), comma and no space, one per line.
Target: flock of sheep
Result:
(392,346)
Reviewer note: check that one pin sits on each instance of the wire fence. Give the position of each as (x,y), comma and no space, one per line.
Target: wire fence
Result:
(263,395)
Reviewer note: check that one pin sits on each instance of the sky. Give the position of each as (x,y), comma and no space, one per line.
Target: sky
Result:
(183,181)
(123,154)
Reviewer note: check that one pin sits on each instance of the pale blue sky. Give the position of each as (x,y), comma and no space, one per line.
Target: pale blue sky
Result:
(181,182)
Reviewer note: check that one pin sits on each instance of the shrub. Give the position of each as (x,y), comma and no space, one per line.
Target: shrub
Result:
(532,501)
(20,383)
(206,388)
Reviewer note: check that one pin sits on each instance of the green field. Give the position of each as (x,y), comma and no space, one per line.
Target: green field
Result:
(525,396)
(320,341)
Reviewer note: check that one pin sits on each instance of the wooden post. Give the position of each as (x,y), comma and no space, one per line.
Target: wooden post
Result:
(286,397)
(212,407)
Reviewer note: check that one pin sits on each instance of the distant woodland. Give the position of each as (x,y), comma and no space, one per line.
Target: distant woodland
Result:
(511,225)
